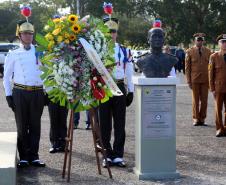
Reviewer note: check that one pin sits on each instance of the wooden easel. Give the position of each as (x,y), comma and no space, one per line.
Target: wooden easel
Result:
(96,140)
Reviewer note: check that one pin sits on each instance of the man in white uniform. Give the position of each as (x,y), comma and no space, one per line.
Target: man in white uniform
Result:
(116,107)
(26,98)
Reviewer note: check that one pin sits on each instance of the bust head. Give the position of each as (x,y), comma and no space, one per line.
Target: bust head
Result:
(156,64)
(156,38)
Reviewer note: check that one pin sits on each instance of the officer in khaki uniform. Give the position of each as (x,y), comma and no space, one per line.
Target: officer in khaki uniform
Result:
(196,70)
(217,82)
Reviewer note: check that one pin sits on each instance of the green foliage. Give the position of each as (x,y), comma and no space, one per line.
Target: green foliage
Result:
(42,42)
(181,19)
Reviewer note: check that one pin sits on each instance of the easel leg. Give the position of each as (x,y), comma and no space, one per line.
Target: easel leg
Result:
(97,135)
(68,147)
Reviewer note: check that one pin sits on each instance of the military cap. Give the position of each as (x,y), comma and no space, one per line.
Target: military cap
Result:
(221,37)
(111,23)
(24,26)
(199,36)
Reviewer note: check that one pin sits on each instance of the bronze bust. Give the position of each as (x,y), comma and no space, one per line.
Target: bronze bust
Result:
(156,64)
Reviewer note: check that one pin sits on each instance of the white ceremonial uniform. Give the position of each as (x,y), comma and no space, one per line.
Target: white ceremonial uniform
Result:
(22,65)
(115,108)
(121,71)
(22,68)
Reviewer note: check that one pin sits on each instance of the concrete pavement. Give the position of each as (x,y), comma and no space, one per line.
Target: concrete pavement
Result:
(201,157)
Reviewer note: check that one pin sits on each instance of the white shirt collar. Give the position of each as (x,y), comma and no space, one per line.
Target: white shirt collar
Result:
(22,47)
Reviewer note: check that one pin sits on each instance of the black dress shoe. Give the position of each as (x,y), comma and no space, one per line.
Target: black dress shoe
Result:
(220,133)
(53,150)
(76,126)
(202,123)
(22,164)
(104,163)
(61,149)
(196,123)
(87,127)
(121,164)
(38,163)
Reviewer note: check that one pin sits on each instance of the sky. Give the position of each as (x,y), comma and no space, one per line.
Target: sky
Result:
(62,11)
(7,0)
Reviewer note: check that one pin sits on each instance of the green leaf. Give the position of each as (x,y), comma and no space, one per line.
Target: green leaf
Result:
(108,92)
(41,40)
(40,48)
(105,99)
(50,23)
(63,101)
(44,75)
(43,68)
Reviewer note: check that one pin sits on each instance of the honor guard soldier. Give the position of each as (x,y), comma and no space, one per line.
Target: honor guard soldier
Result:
(116,106)
(58,127)
(217,82)
(26,98)
(58,123)
(196,70)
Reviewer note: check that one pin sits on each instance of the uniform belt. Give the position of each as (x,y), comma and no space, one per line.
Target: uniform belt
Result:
(119,81)
(27,88)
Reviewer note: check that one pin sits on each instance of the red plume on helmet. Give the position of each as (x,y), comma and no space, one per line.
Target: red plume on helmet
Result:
(157,24)
(108,8)
(24,25)
(25,11)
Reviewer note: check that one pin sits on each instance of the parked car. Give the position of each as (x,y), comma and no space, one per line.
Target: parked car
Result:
(4,49)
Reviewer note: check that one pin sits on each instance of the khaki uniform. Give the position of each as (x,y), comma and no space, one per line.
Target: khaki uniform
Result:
(217,82)
(196,70)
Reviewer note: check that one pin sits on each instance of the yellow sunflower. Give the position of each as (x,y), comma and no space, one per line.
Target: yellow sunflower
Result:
(73,18)
(50,45)
(76,28)
(72,37)
(66,35)
(56,20)
(59,39)
(66,41)
(56,31)
(49,37)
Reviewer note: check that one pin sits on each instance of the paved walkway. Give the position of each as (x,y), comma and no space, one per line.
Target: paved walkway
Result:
(201,157)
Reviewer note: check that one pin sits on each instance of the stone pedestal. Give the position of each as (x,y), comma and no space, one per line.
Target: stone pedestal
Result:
(155,136)
(8,157)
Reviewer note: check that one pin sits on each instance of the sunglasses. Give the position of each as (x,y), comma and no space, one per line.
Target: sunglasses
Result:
(200,39)
(223,41)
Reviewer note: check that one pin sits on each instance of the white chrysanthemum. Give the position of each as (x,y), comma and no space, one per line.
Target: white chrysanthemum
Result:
(92,38)
(99,40)
(98,47)
(70,71)
(70,88)
(61,65)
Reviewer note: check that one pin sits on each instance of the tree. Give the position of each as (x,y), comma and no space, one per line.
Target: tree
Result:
(180,18)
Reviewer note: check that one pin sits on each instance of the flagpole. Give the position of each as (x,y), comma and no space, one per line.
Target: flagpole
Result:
(77,7)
